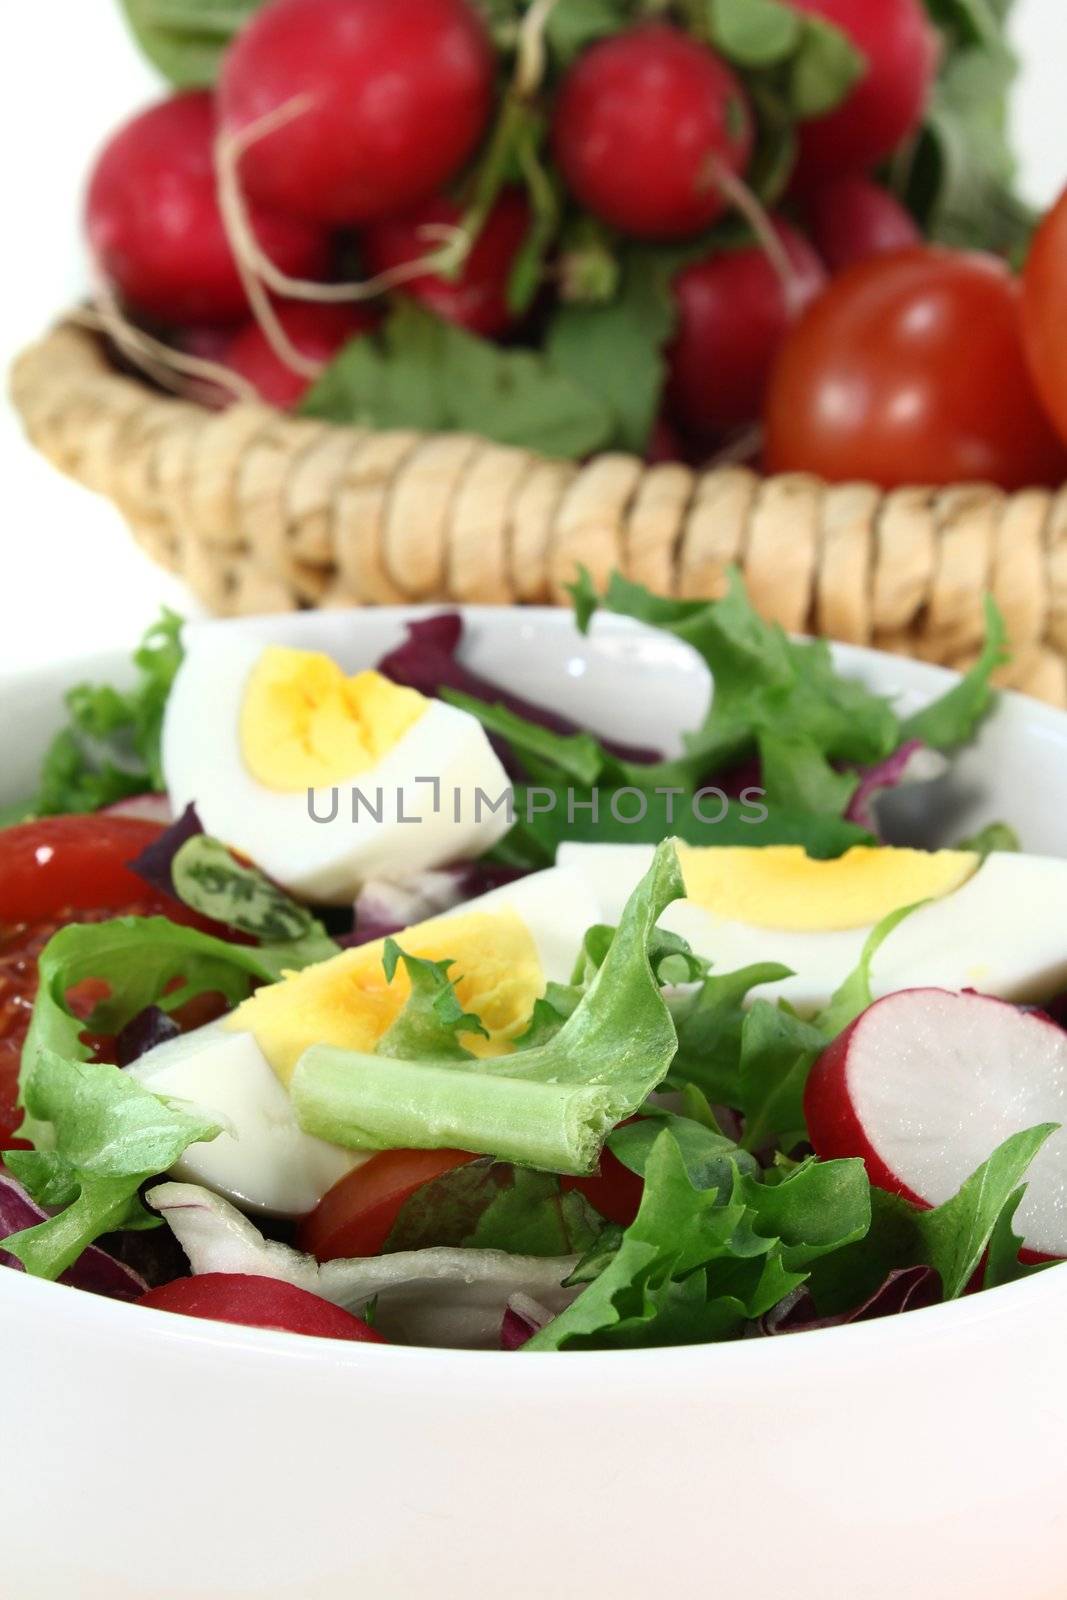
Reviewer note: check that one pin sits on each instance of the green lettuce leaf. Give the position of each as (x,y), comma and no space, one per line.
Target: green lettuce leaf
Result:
(110,747)
(432,1017)
(951,720)
(208,879)
(106,1136)
(547,1106)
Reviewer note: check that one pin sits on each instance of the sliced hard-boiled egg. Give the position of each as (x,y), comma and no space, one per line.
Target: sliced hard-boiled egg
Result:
(323,780)
(988,925)
(507,946)
(263,1160)
(504,948)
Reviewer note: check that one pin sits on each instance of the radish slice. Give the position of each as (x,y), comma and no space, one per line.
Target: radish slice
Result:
(152,807)
(927,1083)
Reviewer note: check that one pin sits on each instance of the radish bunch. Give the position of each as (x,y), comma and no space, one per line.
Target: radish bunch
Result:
(499,165)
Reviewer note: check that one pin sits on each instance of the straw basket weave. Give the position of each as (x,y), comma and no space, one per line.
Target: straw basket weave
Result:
(260,512)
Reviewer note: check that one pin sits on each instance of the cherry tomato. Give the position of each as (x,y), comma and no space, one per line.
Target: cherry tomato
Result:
(1045,312)
(613,1190)
(910,369)
(256,1302)
(53,872)
(356,1216)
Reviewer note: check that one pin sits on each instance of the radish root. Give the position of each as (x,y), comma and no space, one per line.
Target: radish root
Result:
(172,369)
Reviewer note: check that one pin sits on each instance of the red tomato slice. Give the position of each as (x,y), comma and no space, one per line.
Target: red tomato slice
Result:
(61,865)
(259,1303)
(53,872)
(356,1216)
(613,1189)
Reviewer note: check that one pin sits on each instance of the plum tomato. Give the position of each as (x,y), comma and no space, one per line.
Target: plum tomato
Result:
(909,368)
(1045,312)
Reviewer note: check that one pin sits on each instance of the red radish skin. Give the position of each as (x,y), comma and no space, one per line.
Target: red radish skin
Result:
(901,49)
(317,331)
(732,317)
(853,218)
(399,95)
(643,122)
(155,228)
(255,1302)
(477,299)
(927,1083)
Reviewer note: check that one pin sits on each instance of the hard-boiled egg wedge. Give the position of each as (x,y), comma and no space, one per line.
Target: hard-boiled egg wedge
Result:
(325,780)
(506,946)
(262,1160)
(990,925)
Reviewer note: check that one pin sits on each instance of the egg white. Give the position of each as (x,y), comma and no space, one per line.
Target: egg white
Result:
(263,1160)
(327,860)
(998,932)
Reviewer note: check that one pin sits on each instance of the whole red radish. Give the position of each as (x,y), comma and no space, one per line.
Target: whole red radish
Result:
(909,368)
(927,1083)
(154,223)
(733,313)
(646,124)
(852,218)
(395,97)
(900,48)
(317,331)
(1045,312)
(477,299)
(255,1302)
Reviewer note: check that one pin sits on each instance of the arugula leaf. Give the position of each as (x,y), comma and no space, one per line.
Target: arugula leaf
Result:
(432,1017)
(951,1238)
(110,750)
(106,1137)
(951,720)
(422,372)
(547,1106)
(208,879)
(186,39)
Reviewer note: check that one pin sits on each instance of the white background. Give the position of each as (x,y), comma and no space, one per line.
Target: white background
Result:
(72,581)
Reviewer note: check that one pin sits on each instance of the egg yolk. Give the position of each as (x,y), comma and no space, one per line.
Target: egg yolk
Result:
(304,725)
(782,887)
(347,1002)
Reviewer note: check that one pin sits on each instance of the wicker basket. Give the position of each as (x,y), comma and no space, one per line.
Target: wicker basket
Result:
(263,512)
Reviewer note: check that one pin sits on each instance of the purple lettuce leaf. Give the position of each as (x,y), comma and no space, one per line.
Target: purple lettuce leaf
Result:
(153,865)
(906,1289)
(887,774)
(94,1269)
(142,1033)
(428,661)
(522,1318)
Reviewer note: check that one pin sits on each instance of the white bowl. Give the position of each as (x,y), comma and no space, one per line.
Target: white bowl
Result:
(924,1456)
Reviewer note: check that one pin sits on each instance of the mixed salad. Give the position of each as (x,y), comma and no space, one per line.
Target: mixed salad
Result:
(637,1049)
